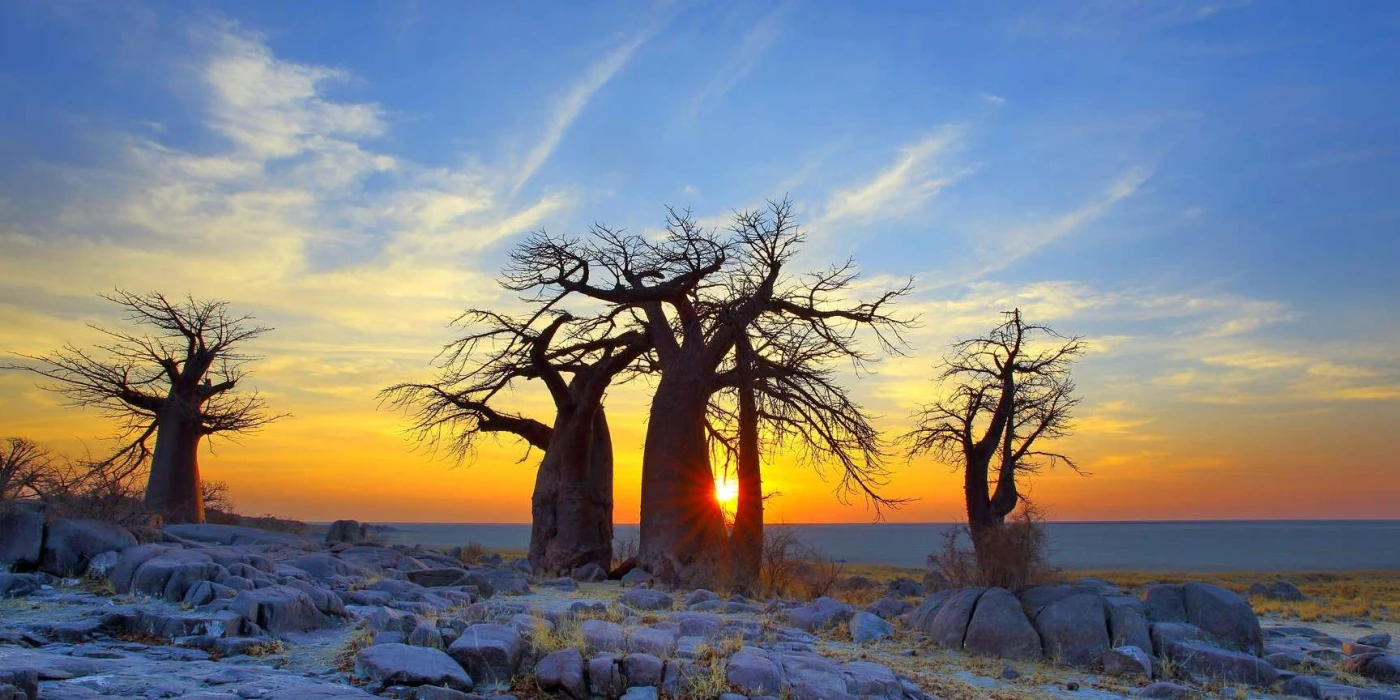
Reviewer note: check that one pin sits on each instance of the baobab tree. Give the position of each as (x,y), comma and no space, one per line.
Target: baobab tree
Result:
(1007,394)
(697,293)
(576,360)
(176,381)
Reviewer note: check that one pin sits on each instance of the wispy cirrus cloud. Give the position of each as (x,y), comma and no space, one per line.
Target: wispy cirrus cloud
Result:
(755,42)
(573,102)
(917,174)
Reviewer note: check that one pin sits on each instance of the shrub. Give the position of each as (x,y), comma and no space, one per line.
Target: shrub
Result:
(792,569)
(1013,557)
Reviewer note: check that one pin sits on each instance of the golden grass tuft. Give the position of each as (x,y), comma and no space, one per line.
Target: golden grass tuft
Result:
(356,642)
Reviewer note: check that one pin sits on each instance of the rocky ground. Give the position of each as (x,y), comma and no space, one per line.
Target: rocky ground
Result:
(216,611)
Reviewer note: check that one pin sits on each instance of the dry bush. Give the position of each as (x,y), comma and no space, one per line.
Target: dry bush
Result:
(216,497)
(1015,555)
(792,569)
(472,552)
(623,550)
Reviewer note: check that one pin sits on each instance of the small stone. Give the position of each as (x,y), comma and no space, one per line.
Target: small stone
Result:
(865,627)
(1010,674)
(647,599)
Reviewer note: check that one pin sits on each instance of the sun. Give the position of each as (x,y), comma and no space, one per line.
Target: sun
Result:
(726,492)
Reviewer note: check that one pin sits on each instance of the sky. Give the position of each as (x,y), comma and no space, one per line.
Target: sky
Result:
(1208,192)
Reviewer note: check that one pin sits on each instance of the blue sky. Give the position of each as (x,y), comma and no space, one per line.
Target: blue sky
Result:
(1207,190)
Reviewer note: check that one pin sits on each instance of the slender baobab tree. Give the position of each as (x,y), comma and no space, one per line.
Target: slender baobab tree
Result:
(1007,394)
(576,360)
(697,293)
(176,380)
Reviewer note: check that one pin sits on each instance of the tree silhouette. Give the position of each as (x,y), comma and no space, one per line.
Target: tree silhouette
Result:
(176,381)
(697,294)
(1009,392)
(576,360)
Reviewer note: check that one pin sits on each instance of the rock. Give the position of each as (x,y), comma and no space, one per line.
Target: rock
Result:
(949,625)
(601,635)
(634,576)
(1074,630)
(822,613)
(904,587)
(561,673)
(490,653)
(651,640)
(426,634)
(647,599)
(1222,664)
(279,609)
(866,627)
(1302,687)
(1375,666)
(999,628)
(754,673)
(1224,617)
(563,583)
(1009,673)
(20,585)
(1163,690)
(590,572)
(21,536)
(700,596)
(1278,590)
(1164,602)
(401,664)
(642,669)
(348,531)
(1380,640)
(323,567)
(170,574)
(605,676)
(645,693)
(440,578)
(25,682)
(889,608)
(102,564)
(1126,624)
(238,535)
(1126,661)
(1163,633)
(70,544)
(1037,598)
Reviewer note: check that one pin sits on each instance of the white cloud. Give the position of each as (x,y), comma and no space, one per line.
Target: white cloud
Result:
(742,61)
(573,102)
(901,188)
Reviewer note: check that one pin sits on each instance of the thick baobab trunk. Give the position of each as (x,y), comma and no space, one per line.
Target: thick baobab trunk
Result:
(173,488)
(683,540)
(746,539)
(572,503)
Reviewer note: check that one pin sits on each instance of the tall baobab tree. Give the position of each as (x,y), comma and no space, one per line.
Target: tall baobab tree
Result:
(576,360)
(1008,394)
(697,293)
(176,380)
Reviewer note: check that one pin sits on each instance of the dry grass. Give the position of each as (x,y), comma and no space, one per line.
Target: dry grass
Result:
(358,640)
(1371,595)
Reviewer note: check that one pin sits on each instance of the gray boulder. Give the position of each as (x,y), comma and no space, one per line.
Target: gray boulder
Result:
(1074,630)
(20,585)
(348,531)
(1164,633)
(1126,661)
(647,599)
(279,609)
(426,634)
(561,674)
(1126,624)
(1164,602)
(643,669)
(591,572)
(999,628)
(822,613)
(1165,690)
(70,544)
(867,627)
(904,587)
(1224,617)
(1278,590)
(754,673)
(401,664)
(948,626)
(1376,666)
(601,635)
(889,608)
(490,653)
(172,573)
(502,581)
(648,693)
(1302,687)
(21,537)
(1222,664)
(605,676)
(651,640)
(700,596)
(1379,640)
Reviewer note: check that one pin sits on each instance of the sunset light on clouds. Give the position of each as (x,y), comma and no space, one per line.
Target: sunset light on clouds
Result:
(1222,235)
